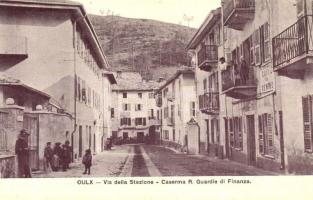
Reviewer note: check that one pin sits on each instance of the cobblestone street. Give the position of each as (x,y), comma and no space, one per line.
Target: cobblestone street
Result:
(144,160)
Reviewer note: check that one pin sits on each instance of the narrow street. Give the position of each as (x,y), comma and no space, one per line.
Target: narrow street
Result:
(143,161)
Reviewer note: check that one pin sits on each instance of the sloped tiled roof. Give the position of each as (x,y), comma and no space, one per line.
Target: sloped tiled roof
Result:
(132,81)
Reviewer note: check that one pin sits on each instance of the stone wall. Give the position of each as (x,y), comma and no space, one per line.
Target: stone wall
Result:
(7,166)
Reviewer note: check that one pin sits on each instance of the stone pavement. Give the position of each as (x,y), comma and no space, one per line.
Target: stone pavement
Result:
(106,164)
(173,163)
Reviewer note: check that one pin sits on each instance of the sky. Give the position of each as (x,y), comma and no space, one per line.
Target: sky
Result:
(186,12)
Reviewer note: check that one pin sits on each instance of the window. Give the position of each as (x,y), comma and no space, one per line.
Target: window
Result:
(158,115)
(166,134)
(138,107)
(125,121)
(166,112)
(140,121)
(265,39)
(112,112)
(173,134)
(125,135)
(172,111)
(237,133)
(79,89)
(151,95)
(124,95)
(257,47)
(165,92)
(193,109)
(307,122)
(151,114)
(266,143)
(140,95)
(84,91)
(126,107)
(205,85)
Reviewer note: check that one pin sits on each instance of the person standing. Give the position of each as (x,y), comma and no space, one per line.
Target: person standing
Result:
(48,155)
(87,161)
(67,151)
(22,152)
(57,153)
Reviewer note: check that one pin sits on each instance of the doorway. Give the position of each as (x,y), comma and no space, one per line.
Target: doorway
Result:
(227,146)
(80,142)
(140,137)
(251,140)
(207,136)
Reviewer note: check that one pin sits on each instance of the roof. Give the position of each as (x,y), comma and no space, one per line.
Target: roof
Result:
(9,81)
(80,15)
(205,27)
(110,76)
(176,75)
(126,84)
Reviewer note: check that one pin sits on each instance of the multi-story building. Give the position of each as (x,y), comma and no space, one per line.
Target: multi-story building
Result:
(176,100)
(52,47)
(207,46)
(134,109)
(264,94)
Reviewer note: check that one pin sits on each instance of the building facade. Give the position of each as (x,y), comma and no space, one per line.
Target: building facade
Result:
(134,112)
(177,105)
(264,112)
(51,46)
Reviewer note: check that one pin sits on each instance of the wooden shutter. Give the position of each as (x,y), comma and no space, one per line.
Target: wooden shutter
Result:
(240,132)
(269,133)
(307,122)
(257,47)
(261,139)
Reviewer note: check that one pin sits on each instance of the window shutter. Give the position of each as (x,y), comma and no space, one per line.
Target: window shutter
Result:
(307,122)
(270,139)
(144,121)
(257,47)
(261,140)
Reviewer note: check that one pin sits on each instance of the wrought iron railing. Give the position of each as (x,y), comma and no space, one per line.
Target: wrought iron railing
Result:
(209,101)
(208,53)
(230,5)
(235,75)
(294,41)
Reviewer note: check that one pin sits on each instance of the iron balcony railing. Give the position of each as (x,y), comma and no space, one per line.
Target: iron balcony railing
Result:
(294,41)
(207,53)
(231,5)
(235,76)
(209,101)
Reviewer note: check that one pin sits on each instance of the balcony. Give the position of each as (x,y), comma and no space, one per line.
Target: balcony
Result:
(238,83)
(13,48)
(154,122)
(209,103)
(238,12)
(208,57)
(293,49)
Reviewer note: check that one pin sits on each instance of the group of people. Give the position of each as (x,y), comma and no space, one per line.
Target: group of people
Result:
(58,157)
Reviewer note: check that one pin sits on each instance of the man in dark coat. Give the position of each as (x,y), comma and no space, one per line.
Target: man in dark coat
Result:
(48,155)
(67,154)
(22,152)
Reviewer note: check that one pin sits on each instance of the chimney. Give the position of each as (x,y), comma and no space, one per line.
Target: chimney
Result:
(160,79)
(118,74)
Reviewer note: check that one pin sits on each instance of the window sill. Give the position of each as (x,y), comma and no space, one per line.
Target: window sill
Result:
(268,157)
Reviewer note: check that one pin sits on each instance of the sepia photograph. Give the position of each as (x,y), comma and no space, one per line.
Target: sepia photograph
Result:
(156,88)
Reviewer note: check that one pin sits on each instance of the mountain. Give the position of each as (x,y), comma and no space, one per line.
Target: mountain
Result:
(150,47)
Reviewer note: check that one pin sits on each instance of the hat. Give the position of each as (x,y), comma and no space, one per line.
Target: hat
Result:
(24,132)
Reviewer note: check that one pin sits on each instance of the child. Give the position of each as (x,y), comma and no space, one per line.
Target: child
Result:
(87,161)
